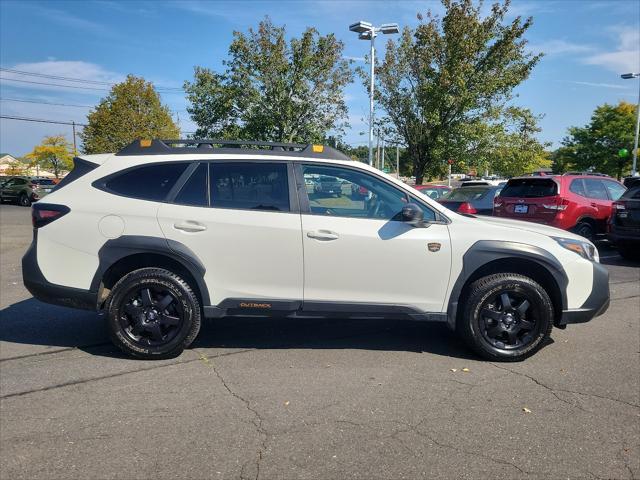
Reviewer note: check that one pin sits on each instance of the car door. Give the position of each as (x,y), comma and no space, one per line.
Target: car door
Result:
(356,251)
(7,189)
(241,220)
(599,199)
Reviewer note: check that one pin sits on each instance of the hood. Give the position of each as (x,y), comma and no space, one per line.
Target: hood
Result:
(531,227)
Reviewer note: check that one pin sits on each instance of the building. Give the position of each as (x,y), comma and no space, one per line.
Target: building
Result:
(10,165)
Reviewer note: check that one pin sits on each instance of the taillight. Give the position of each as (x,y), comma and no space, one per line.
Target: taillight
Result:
(497,202)
(466,207)
(43,214)
(619,206)
(559,205)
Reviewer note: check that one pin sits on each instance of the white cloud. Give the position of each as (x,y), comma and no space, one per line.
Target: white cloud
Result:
(560,47)
(601,85)
(625,58)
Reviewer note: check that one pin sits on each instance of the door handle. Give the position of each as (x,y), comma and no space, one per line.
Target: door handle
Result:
(594,204)
(190,226)
(323,235)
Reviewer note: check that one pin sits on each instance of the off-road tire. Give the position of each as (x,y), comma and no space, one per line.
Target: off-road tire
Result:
(156,279)
(474,300)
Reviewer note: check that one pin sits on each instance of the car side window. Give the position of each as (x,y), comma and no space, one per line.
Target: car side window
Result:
(249,186)
(195,191)
(345,192)
(577,187)
(149,182)
(595,189)
(615,189)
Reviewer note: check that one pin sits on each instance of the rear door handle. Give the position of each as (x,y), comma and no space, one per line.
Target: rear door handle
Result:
(190,226)
(323,235)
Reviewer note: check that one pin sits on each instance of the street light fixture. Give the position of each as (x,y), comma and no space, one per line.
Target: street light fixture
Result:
(366,31)
(634,170)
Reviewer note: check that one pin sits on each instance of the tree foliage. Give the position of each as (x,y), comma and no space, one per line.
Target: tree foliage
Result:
(596,145)
(273,90)
(132,110)
(444,84)
(54,153)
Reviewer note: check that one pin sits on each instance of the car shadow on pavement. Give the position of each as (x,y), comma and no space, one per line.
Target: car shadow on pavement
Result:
(31,322)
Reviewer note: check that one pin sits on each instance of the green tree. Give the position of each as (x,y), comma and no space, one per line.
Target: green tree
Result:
(132,110)
(273,90)
(450,76)
(595,146)
(54,153)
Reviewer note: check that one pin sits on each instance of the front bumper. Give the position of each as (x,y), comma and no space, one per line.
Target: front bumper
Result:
(597,302)
(48,292)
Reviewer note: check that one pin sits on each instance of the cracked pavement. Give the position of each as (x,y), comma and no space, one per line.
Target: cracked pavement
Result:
(325,399)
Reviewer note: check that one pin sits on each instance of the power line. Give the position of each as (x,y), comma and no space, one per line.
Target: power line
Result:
(43,102)
(52,84)
(72,79)
(40,120)
(54,77)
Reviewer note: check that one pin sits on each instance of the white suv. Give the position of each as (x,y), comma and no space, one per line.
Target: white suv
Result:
(164,233)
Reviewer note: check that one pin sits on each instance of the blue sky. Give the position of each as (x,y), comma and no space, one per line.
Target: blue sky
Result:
(587,45)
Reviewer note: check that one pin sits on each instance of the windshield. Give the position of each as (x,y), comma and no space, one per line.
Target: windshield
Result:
(466,194)
(529,188)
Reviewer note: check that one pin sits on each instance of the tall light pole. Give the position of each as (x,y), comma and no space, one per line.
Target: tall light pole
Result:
(366,31)
(634,169)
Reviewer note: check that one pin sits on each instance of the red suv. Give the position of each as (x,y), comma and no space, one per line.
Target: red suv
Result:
(577,202)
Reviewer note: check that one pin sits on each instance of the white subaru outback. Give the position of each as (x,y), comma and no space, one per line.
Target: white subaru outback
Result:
(165,233)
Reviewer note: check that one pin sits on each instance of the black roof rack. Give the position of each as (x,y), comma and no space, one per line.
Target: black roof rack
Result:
(595,174)
(191,146)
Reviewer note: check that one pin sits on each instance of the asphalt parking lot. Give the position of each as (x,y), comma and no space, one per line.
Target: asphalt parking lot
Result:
(332,399)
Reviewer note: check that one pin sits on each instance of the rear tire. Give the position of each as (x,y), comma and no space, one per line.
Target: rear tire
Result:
(505,317)
(24,200)
(584,229)
(152,313)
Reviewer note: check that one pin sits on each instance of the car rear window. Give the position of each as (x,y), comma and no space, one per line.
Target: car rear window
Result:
(632,193)
(530,188)
(43,181)
(149,182)
(249,186)
(466,194)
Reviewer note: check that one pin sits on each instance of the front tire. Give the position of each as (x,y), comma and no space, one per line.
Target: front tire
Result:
(153,313)
(629,251)
(505,317)
(24,200)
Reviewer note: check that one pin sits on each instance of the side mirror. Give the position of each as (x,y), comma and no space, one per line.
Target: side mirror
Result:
(413,215)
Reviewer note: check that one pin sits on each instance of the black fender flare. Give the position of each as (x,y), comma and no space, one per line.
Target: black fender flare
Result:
(118,248)
(485,251)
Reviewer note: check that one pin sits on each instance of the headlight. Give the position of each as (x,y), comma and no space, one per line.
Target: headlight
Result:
(583,248)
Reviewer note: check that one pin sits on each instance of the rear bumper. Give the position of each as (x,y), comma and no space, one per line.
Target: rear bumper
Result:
(597,302)
(617,234)
(47,292)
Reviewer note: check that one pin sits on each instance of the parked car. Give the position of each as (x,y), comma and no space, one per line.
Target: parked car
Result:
(25,190)
(624,228)
(219,233)
(477,199)
(577,202)
(328,186)
(433,191)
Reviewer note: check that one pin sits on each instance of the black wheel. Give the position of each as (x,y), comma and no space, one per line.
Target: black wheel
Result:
(24,200)
(630,251)
(153,313)
(506,317)
(584,229)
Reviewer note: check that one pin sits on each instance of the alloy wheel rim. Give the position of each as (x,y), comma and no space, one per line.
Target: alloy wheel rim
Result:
(508,320)
(151,316)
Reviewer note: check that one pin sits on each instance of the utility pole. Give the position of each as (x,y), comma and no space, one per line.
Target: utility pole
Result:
(378,151)
(382,163)
(398,161)
(634,168)
(75,149)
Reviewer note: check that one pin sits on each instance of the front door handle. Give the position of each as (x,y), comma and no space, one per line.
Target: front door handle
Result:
(190,226)
(323,235)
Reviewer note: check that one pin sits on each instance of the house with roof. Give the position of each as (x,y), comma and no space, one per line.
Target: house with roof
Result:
(10,165)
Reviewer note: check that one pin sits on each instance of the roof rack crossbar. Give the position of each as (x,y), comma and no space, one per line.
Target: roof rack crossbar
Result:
(192,145)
